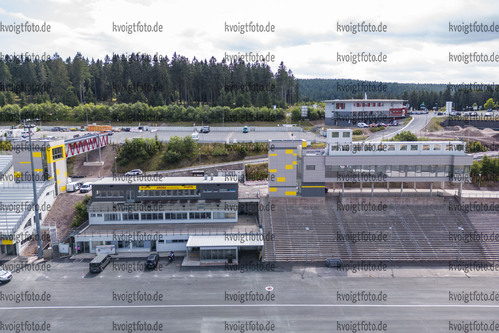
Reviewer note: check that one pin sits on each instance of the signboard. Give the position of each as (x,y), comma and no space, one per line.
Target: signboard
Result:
(304,111)
(448,106)
(167,187)
(105,249)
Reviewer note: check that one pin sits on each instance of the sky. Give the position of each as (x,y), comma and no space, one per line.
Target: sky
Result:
(417,43)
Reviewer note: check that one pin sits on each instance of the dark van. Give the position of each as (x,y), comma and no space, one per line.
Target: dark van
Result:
(100,262)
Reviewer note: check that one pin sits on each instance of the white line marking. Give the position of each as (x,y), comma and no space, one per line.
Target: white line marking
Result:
(160,306)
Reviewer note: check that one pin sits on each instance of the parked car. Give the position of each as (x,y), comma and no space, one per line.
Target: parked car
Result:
(245,129)
(382,125)
(373,125)
(56,129)
(393,123)
(73,186)
(85,188)
(195,136)
(474,114)
(458,113)
(152,261)
(488,114)
(205,129)
(134,172)
(334,262)
(440,113)
(5,275)
(362,125)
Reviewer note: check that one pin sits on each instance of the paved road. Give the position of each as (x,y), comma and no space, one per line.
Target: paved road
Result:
(200,300)
(208,137)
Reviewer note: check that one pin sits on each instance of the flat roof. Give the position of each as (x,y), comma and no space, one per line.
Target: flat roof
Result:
(154,179)
(244,224)
(15,200)
(228,240)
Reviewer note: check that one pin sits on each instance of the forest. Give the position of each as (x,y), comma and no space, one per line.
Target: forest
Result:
(430,95)
(154,80)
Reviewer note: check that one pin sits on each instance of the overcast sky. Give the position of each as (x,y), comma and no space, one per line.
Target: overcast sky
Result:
(417,42)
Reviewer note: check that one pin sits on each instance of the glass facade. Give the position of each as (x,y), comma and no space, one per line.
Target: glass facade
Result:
(396,171)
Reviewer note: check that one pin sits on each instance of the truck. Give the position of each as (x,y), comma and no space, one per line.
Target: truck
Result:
(99,128)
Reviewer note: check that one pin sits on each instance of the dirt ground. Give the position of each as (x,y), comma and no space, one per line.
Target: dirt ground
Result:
(486,136)
(107,155)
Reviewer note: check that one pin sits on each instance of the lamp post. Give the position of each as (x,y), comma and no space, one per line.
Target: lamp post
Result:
(479,180)
(115,167)
(306,250)
(459,245)
(391,232)
(35,197)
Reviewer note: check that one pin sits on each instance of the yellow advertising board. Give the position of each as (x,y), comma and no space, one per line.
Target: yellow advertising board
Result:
(167,187)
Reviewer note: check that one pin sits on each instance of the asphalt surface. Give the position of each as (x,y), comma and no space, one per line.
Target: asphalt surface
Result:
(200,299)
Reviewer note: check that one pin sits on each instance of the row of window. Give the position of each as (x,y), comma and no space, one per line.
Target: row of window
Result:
(113,217)
(333,171)
(159,193)
(401,147)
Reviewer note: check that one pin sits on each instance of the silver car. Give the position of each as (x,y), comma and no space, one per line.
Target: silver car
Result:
(5,276)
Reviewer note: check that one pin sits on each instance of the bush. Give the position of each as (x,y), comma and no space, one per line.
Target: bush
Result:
(405,136)
(81,212)
(357,131)
(376,129)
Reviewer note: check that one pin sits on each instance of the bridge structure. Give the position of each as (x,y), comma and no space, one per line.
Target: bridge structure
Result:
(85,143)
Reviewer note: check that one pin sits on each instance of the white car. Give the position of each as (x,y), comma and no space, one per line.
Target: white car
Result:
(5,276)
(87,187)
(362,125)
(488,114)
(134,172)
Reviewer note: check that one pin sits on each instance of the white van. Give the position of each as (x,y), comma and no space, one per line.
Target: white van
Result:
(73,186)
(195,136)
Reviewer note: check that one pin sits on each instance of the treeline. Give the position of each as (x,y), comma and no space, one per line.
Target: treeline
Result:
(137,112)
(155,80)
(486,170)
(430,95)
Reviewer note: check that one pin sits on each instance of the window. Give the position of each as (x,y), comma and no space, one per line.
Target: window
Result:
(346,134)
(403,147)
(112,217)
(335,134)
(391,147)
(151,216)
(414,147)
(310,167)
(426,147)
(437,147)
(130,216)
(57,153)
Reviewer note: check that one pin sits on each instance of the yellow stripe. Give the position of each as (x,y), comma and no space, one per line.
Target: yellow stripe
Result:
(289,151)
(310,186)
(289,167)
(63,189)
(58,181)
(294,163)
(304,144)
(295,154)
(281,179)
(17,174)
(272,154)
(37,154)
(290,193)
(272,189)
(25,162)
(57,172)
(38,170)
(272,170)
(51,178)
